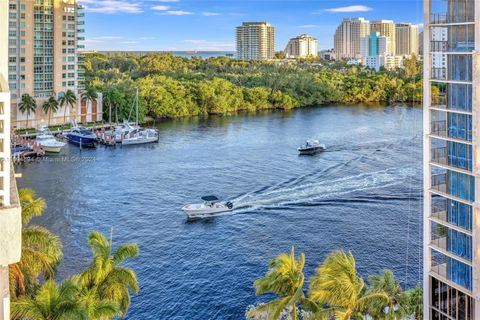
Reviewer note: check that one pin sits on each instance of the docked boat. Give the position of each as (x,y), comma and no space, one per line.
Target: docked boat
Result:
(135,134)
(311,147)
(47,140)
(81,136)
(140,136)
(210,206)
(121,131)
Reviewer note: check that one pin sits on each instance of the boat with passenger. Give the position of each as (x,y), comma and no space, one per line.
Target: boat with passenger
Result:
(311,147)
(210,206)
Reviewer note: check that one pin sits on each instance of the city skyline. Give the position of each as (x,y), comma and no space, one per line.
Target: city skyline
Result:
(210,25)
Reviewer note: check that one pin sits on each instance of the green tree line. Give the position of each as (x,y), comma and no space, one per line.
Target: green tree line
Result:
(171,86)
(101,291)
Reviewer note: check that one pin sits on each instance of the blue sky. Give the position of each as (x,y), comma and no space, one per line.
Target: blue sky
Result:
(209,25)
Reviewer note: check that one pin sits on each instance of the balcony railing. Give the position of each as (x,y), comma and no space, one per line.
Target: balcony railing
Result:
(439,101)
(441,269)
(444,18)
(439,155)
(439,74)
(439,182)
(439,128)
(452,46)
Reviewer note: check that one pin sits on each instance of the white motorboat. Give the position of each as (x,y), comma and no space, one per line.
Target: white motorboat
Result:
(140,136)
(210,206)
(47,140)
(311,147)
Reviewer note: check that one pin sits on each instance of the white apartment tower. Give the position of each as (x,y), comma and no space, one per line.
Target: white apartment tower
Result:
(10,211)
(451,123)
(302,46)
(347,37)
(255,41)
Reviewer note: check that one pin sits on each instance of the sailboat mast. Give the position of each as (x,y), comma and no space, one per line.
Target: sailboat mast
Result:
(137,106)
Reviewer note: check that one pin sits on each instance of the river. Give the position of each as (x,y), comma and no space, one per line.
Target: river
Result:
(364,194)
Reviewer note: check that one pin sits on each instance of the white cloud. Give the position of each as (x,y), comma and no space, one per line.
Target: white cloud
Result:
(166,0)
(129,42)
(357,8)
(112,6)
(177,13)
(210,14)
(160,8)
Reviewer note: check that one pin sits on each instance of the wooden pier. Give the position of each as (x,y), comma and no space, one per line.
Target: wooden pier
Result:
(33,149)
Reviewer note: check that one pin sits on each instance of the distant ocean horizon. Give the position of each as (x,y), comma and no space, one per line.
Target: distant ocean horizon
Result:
(185,54)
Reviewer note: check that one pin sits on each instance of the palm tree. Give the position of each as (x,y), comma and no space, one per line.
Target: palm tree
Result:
(414,302)
(336,284)
(27,105)
(52,302)
(67,99)
(50,106)
(107,275)
(395,308)
(284,278)
(95,307)
(41,250)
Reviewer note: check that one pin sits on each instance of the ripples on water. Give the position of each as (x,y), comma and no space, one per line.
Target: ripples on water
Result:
(363,195)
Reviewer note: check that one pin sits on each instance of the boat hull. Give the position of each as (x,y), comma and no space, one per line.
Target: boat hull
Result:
(201,210)
(311,151)
(133,141)
(84,142)
(52,149)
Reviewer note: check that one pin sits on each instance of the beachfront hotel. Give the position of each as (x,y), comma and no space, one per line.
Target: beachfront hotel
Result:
(451,160)
(255,41)
(44,39)
(10,212)
(407,39)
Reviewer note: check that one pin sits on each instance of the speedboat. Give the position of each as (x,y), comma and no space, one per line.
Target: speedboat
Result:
(81,136)
(210,206)
(140,136)
(47,140)
(311,147)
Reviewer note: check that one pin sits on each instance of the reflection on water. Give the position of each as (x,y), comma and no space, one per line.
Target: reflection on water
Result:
(363,194)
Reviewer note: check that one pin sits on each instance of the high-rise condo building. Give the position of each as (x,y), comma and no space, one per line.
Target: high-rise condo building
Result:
(255,41)
(407,38)
(301,47)
(347,37)
(10,211)
(386,28)
(451,160)
(44,59)
(374,44)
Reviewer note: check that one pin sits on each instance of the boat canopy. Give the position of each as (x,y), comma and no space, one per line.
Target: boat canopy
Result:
(210,198)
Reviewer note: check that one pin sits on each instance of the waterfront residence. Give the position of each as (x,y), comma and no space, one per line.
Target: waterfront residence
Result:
(255,41)
(44,59)
(451,160)
(303,46)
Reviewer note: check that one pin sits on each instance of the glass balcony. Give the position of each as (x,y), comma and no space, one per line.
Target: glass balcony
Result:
(451,153)
(439,155)
(80,6)
(451,269)
(80,30)
(453,96)
(80,23)
(81,14)
(452,46)
(456,184)
(452,212)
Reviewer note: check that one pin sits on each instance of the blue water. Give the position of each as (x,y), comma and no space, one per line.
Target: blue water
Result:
(363,195)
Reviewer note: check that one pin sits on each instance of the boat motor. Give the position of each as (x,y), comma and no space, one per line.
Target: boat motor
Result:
(229,205)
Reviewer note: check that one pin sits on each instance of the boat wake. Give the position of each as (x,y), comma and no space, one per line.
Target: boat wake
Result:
(285,194)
